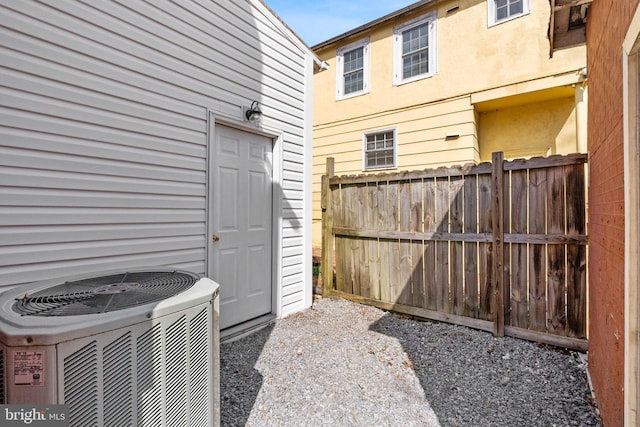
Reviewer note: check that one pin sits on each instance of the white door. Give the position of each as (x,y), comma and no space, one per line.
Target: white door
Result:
(242,210)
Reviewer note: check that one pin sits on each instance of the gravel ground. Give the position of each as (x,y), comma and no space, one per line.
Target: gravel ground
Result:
(345,364)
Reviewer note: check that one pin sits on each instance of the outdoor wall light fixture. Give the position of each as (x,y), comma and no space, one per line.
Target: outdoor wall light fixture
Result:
(253,113)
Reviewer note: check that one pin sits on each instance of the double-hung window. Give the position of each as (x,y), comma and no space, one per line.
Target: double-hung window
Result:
(380,149)
(414,49)
(352,69)
(505,10)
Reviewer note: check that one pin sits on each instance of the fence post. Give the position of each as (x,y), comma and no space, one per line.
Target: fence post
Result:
(327,230)
(497,207)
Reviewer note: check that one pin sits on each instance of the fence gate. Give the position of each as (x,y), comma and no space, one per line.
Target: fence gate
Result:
(498,246)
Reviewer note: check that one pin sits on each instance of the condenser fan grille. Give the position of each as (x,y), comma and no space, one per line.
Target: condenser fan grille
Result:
(102,294)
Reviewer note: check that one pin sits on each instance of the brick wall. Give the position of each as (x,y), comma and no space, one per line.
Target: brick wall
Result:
(607,26)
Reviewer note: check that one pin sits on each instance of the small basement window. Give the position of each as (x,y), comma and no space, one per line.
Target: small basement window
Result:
(380,150)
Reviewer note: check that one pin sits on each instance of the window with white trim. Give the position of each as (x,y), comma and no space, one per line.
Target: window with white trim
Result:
(380,149)
(505,10)
(352,69)
(414,49)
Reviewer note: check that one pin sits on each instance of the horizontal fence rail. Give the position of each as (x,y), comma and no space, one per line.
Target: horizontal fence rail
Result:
(498,246)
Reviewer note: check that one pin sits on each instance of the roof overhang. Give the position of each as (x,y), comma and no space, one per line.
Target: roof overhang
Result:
(534,91)
(567,24)
(374,23)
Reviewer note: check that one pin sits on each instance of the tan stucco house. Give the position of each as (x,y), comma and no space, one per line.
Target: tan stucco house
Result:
(445,82)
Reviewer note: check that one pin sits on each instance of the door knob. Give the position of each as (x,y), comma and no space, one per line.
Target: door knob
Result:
(215,238)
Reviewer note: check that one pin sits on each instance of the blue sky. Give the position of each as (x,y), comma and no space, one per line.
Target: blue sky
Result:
(315,21)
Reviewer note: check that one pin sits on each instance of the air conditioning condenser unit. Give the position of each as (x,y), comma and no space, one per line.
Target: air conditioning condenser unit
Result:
(118,349)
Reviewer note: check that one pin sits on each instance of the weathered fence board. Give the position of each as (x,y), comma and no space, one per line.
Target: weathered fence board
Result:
(537,252)
(501,244)
(405,272)
(519,293)
(498,247)
(384,247)
(371,258)
(430,225)
(417,251)
(470,224)
(485,259)
(442,247)
(576,254)
(327,205)
(456,226)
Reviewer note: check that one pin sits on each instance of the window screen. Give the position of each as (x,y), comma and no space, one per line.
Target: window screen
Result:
(353,70)
(508,8)
(415,51)
(380,150)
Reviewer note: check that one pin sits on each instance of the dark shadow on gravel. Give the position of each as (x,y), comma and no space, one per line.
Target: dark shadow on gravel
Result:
(240,382)
(471,378)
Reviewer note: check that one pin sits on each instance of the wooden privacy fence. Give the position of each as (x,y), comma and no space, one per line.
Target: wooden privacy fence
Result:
(498,246)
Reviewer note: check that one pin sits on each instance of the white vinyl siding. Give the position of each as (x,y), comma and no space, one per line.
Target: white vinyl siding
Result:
(506,10)
(414,49)
(352,70)
(103,130)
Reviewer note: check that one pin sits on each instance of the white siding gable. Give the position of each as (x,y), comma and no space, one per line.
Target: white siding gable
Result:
(104,110)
